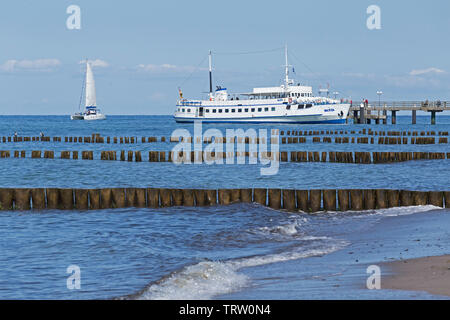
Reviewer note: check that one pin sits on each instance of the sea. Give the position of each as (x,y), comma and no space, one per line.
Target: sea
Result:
(238,251)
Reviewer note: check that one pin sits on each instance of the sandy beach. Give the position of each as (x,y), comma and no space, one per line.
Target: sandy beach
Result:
(429,274)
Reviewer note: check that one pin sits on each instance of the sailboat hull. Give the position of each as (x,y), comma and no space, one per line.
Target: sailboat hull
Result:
(77,117)
(91,117)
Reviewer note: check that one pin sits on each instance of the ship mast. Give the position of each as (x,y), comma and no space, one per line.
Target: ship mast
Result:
(287,81)
(210,76)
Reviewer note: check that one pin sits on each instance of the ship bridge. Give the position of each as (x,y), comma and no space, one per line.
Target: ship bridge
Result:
(298,91)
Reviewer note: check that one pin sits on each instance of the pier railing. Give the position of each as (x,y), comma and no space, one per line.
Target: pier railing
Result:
(405,105)
(377,110)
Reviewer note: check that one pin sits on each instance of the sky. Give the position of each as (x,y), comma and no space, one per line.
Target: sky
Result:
(142,51)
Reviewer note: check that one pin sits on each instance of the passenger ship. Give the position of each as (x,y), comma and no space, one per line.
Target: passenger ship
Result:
(287,103)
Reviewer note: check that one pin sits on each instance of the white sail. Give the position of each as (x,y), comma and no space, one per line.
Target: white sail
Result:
(90,87)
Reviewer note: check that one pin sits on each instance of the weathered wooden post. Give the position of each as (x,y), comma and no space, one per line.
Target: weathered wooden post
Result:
(343,199)
(94,199)
(177,197)
(140,198)
(118,197)
(38,198)
(6,199)
(81,199)
(53,201)
(329,200)
(152,198)
(188,197)
(406,198)
(435,198)
(246,195)
(66,199)
(211,197)
(106,198)
(166,197)
(200,197)
(369,199)
(260,196)
(130,197)
(393,198)
(302,200)
(224,196)
(22,199)
(356,199)
(315,200)
(275,198)
(289,199)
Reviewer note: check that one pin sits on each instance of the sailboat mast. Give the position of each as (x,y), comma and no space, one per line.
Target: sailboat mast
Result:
(82,90)
(210,76)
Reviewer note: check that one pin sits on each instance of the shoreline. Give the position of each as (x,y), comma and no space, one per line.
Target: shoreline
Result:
(429,274)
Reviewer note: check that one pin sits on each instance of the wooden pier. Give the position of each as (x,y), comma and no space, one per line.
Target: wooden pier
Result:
(378,111)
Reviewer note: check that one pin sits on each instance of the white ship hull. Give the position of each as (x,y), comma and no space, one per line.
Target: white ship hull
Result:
(328,113)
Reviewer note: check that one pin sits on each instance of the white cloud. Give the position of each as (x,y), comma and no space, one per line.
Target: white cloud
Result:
(408,81)
(96,63)
(161,68)
(419,72)
(358,75)
(36,65)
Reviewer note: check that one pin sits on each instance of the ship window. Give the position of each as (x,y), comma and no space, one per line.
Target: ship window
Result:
(183,109)
(300,106)
(253,109)
(288,107)
(259,109)
(308,105)
(246,110)
(273,108)
(214,110)
(239,110)
(226,110)
(188,110)
(220,110)
(266,109)
(233,110)
(207,110)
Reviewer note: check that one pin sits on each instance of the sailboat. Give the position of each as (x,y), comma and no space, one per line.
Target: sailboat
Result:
(91,112)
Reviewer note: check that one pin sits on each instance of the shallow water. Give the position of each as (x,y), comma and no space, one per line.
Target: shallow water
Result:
(235,251)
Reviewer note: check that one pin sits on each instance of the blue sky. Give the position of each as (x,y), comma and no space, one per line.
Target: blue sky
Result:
(144,50)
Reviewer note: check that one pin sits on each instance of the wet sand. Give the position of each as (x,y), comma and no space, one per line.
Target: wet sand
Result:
(397,235)
(429,274)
